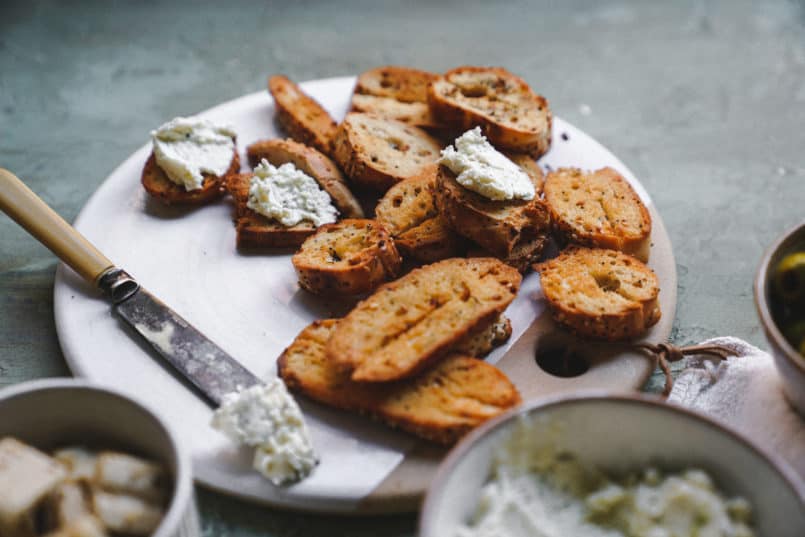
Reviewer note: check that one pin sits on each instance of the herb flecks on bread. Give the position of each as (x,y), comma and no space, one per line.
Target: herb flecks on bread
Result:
(393,92)
(598,208)
(413,321)
(500,227)
(510,114)
(601,293)
(312,162)
(304,119)
(376,153)
(409,212)
(351,257)
(441,405)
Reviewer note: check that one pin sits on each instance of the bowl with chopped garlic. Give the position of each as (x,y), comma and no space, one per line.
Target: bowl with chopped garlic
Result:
(80,459)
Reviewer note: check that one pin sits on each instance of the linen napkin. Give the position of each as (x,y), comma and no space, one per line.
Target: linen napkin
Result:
(745,392)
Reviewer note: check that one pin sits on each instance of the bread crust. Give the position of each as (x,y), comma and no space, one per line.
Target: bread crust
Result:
(255,230)
(481,343)
(409,212)
(598,209)
(500,227)
(510,114)
(404,84)
(350,257)
(601,293)
(300,116)
(416,114)
(409,323)
(395,92)
(156,182)
(441,405)
(312,162)
(376,153)
(522,257)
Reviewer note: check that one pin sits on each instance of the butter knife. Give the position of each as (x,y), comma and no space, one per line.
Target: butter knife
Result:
(209,368)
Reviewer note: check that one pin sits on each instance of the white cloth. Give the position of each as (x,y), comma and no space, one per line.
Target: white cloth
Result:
(745,392)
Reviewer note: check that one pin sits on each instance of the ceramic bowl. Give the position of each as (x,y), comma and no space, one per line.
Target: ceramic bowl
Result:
(55,412)
(622,433)
(790,363)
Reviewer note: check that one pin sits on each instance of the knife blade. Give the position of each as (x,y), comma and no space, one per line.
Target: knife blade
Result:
(214,372)
(208,367)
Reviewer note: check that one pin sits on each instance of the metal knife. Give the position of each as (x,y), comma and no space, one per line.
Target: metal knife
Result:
(214,372)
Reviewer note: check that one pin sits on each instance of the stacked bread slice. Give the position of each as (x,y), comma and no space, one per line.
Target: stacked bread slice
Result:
(407,353)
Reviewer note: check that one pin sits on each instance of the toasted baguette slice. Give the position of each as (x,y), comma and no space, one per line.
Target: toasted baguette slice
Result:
(376,153)
(399,93)
(302,118)
(312,162)
(511,115)
(501,227)
(350,257)
(417,114)
(158,185)
(601,293)
(255,230)
(408,323)
(409,213)
(600,209)
(441,405)
(403,84)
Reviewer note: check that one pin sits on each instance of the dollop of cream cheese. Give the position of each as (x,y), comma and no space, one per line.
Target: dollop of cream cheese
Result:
(545,493)
(289,196)
(187,147)
(266,417)
(483,169)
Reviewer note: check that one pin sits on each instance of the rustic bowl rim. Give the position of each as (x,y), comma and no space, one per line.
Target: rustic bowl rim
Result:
(470,441)
(182,498)
(773,333)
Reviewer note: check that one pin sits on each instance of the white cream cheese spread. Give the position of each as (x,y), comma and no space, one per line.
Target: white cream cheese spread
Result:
(266,417)
(483,169)
(289,196)
(187,147)
(550,494)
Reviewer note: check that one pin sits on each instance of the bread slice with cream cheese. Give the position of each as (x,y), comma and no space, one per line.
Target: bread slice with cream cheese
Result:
(156,182)
(510,114)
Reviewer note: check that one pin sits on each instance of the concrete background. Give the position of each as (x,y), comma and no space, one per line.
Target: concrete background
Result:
(704,101)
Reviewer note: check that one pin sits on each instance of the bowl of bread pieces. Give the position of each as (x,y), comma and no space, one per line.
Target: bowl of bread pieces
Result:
(421,212)
(77,459)
(598,464)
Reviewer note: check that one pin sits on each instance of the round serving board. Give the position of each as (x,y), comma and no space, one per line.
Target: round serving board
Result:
(252,307)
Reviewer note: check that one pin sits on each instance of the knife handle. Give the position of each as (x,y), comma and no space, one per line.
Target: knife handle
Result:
(29,211)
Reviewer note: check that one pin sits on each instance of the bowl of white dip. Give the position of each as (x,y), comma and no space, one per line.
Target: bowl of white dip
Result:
(597,464)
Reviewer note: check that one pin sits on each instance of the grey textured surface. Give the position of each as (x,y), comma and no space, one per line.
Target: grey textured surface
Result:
(704,101)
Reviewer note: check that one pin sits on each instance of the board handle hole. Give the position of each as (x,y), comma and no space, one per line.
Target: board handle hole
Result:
(560,358)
